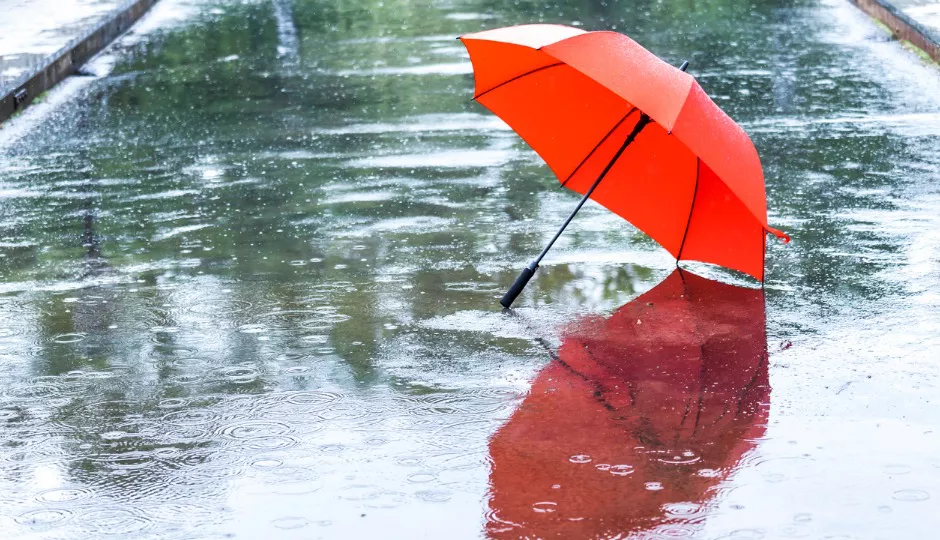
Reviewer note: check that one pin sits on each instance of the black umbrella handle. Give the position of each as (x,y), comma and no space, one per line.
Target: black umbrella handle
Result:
(520,284)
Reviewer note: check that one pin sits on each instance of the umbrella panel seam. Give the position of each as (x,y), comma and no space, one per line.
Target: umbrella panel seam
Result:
(516,78)
(698,172)
(598,145)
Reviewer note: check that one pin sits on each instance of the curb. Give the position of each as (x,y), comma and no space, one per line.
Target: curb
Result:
(69,58)
(902,26)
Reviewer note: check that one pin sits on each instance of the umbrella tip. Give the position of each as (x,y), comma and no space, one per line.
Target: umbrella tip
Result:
(782,236)
(684,65)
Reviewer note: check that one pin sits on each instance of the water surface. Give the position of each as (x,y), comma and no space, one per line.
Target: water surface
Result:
(248,287)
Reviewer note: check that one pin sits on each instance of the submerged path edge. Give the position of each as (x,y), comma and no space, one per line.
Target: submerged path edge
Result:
(64,62)
(902,26)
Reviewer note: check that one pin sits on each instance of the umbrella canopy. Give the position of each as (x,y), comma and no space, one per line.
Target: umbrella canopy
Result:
(637,418)
(692,180)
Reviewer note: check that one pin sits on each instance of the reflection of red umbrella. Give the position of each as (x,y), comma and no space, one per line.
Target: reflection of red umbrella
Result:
(692,179)
(637,418)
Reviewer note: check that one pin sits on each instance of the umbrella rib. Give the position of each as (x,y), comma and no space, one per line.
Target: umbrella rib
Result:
(701,393)
(516,78)
(764,358)
(763,257)
(742,395)
(698,171)
(598,145)
(598,388)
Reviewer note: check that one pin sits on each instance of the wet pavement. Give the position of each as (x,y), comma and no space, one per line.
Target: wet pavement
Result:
(31,30)
(249,289)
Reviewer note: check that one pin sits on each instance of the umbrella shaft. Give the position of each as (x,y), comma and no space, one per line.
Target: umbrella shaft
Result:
(644,119)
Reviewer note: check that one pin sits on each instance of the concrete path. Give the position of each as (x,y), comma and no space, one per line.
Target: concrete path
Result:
(914,21)
(926,12)
(31,30)
(43,41)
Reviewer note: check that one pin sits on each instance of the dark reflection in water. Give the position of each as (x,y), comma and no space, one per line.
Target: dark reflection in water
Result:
(637,419)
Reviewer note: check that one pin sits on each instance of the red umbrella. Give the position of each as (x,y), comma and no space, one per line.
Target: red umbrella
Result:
(638,417)
(691,178)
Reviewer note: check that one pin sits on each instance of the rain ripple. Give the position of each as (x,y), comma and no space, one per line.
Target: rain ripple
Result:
(260,434)
(44,518)
(113,521)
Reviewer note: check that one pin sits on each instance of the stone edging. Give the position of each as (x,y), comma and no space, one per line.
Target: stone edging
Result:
(69,58)
(904,27)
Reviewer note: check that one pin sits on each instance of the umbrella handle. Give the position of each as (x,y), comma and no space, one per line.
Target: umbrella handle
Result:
(520,284)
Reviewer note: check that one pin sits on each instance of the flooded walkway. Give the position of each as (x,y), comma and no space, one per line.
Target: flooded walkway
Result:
(249,289)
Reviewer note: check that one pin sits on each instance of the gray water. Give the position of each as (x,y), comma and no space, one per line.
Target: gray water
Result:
(248,284)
